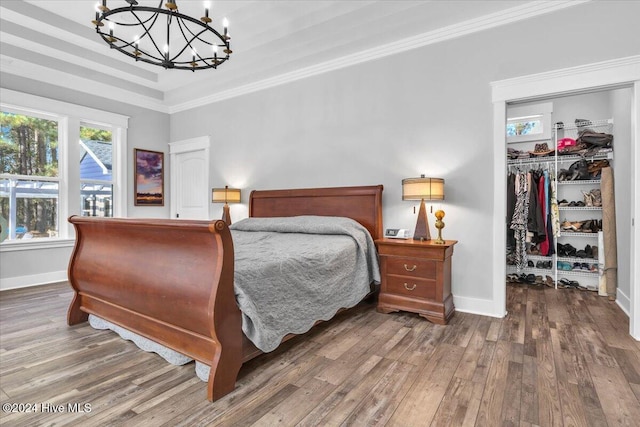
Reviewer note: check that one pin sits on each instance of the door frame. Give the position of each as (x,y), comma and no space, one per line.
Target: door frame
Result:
(181,147)
(597,76)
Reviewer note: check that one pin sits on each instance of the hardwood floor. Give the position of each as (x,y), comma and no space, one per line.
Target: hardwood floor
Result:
(561,357)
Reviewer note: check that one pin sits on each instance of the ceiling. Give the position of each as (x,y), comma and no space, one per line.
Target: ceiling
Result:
(272,41)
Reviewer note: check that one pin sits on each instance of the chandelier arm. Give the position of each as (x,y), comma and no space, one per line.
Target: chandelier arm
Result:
(147,30)
(197,36)
(188,41)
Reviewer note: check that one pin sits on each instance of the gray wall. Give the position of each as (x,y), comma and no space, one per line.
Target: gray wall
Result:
(147,129)
(425,111)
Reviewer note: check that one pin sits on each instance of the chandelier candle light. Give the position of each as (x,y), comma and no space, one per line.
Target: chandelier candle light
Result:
(187,43)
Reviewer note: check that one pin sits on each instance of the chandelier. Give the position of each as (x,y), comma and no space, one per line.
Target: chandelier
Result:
(163,36)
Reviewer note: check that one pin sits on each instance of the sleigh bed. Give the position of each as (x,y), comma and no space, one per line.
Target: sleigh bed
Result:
(172,281)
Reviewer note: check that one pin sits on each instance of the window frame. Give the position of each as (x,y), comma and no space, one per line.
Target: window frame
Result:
(542,112)
(70,118)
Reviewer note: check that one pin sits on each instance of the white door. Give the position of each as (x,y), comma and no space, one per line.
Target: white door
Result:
(190,197)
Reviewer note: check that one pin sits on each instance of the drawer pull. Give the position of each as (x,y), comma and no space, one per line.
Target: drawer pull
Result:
(409,288)
(410,269)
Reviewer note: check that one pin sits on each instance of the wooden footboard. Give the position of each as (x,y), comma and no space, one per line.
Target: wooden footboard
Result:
(168,280)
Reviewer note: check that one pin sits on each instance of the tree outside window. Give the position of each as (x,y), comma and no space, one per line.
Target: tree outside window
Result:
(29,178)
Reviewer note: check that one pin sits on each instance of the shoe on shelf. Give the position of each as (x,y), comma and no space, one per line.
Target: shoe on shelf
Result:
(560,250)
(588,251)
(564,265)
(567,226)
(570,250)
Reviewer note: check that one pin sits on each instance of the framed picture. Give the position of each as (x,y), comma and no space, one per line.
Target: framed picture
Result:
(149,182)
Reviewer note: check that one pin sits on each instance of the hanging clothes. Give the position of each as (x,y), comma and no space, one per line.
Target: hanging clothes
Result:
(542,198)
(548,187)
(555,212)
(511,206)
(535,221)
(519,220)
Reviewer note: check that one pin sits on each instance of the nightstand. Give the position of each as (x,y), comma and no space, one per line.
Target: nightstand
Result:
(416,277)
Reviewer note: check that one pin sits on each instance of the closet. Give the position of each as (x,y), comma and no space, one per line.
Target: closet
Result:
(559,242)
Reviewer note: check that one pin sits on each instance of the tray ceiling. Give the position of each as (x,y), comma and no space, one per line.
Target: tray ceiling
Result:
(273,42)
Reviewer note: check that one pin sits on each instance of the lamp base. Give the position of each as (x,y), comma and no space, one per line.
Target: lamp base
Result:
(422,225)
(226,216)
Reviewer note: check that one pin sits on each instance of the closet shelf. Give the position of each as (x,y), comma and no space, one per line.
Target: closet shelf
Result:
(577,234)
(543,160)
(574,157)
(530,160)
(580,182)
(580,208)
(533,270)
(539,257)
(587,124)
(583,273)
(580,260)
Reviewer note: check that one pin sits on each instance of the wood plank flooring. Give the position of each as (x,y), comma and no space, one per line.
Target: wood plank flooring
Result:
(560,358)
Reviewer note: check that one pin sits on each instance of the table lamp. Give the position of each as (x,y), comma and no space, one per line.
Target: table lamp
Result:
(422,189)
(225,195)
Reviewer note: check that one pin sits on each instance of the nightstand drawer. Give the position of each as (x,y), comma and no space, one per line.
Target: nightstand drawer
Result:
(414,267)
(409,286)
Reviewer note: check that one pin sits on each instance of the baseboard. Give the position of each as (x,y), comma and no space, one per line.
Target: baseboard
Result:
(32,280)
(482,307)
(624,302)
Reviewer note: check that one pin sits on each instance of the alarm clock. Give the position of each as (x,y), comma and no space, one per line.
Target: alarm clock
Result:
(397,233)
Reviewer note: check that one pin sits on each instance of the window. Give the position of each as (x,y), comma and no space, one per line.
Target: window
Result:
(525,126)
(527,123)
(96,178)
(56,160)
(29,186)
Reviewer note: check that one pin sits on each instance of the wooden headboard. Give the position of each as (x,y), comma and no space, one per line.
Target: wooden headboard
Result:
(363,204)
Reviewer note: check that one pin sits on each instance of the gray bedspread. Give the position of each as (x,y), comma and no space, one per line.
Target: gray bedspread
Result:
(292,272)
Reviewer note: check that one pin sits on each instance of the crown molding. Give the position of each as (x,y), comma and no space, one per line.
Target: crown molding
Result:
(511,15)
(565,80)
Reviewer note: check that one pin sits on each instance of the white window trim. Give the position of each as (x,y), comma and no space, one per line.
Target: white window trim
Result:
(70,117)
(543,111)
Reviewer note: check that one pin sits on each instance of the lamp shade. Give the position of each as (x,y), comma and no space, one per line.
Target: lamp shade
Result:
(423,188)
(225,195)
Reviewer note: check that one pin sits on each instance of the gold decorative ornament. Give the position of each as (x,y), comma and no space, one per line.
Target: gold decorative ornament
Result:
(439,225)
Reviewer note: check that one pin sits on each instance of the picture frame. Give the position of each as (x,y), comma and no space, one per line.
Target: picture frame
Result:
(149,178)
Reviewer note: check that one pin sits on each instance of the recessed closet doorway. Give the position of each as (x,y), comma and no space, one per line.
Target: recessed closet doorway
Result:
(618,82)
(609,111)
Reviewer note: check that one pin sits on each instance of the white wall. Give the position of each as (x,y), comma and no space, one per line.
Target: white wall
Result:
(147,129)
(424,111)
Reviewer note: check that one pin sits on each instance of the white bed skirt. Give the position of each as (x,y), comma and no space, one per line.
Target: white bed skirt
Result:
(171,356)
